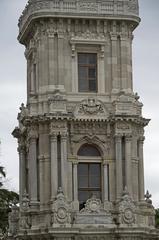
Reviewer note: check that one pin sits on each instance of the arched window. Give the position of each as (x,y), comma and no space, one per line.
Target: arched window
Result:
(89,173)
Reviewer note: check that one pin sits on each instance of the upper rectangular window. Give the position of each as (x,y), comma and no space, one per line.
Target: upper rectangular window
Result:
(87,72)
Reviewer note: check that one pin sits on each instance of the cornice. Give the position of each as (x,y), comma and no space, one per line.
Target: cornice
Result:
(97,9)
(112,119)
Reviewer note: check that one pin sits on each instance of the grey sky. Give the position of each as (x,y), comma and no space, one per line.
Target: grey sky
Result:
(146,83)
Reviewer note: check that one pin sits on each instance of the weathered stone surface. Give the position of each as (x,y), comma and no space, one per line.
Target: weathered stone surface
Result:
(59,120)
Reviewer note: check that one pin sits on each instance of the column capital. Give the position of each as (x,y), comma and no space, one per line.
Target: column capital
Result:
(113,36)
(118,137)
(21,148)
(105,163)
(128,137)
(141,139)
(53,136)
(33,132)
(63,135)
(75,162)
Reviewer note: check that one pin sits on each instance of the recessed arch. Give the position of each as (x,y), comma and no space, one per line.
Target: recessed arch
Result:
(89,150)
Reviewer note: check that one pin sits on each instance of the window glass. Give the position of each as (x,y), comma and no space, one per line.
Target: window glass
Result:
(89,181)
(87,72)
(92,85)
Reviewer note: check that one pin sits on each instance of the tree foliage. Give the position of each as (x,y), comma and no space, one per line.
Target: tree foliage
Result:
(157,217)
(2,175)
(7,199)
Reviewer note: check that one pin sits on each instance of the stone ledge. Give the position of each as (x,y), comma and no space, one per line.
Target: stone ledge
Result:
(122,9)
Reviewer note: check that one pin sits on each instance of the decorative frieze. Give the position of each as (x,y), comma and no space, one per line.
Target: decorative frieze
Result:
(126,8)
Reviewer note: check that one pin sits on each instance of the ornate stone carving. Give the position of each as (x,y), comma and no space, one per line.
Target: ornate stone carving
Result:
(94,212)
(90,107)
(88,6)
(126,209)
(93,205)
(61,210)
(80,8)
(57,103)
(14,220)
(148,197)
(25,222)
(133,6)
(58,127)
(25,202)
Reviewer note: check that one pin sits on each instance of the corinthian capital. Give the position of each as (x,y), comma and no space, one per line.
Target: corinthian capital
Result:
(128,137)
(64,135)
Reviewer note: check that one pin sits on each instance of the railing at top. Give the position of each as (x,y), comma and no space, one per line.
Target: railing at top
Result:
(80,7)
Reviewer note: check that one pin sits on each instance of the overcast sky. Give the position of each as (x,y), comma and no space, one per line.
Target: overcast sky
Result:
(13,86)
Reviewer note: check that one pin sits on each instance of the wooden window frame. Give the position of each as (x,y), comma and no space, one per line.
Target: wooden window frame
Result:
(88,67)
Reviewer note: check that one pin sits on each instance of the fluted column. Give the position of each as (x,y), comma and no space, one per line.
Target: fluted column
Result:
(64,162)
(118,152)
(106,181)
(33,170)
(54,168)
(141,170)
(128,164)
(22,170)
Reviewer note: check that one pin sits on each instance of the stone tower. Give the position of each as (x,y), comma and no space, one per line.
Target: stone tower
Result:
(81,132)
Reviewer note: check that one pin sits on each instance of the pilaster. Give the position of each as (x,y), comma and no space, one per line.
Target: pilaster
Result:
(119,175)
(33,179)
(128,163)
(64,166)
(54,168)
(115,84)
(22,170)
(141,170)
(105,181)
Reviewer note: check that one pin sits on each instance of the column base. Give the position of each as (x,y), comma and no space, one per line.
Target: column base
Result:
(34,205)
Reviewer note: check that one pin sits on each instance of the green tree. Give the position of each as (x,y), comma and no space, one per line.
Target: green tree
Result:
(157,217)
(2,175)
(7,199)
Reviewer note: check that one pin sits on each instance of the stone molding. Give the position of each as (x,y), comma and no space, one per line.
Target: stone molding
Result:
(127,8)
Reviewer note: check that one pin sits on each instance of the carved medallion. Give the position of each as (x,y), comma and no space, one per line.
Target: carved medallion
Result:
(126,209)
(90,108)
(128,216)
(61,210)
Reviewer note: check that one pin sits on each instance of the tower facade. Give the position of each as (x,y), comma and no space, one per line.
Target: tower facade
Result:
(81,132)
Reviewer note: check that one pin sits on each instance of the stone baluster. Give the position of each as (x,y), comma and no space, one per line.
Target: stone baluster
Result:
(118,151)
(141,170)
(128,164)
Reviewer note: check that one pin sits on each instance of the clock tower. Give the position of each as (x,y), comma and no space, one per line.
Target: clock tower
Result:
(81,133)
